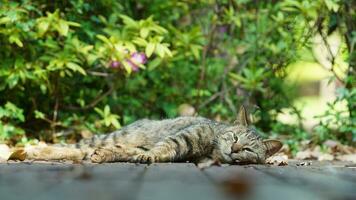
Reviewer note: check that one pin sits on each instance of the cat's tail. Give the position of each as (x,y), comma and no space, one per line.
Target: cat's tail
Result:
(54,153)
(78,151)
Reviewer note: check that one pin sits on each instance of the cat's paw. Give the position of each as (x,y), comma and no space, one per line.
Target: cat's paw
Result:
(98,156)
(145,158)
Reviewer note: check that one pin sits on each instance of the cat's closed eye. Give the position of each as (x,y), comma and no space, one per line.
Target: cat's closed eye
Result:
(247,149)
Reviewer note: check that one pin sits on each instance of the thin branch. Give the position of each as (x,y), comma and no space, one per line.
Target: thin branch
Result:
(203,64)
(94,102)
(332,57)
(216,95)
(95,73)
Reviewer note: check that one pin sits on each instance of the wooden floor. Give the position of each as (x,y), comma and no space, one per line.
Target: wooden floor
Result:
(178,181)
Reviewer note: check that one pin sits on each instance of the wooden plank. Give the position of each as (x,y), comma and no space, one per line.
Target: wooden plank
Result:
(341,169)
(176,182)
(329,186)
(347,174)
(248,183)
(21,182)
(106,181)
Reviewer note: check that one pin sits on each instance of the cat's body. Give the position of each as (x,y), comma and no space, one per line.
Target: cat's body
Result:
(195,139)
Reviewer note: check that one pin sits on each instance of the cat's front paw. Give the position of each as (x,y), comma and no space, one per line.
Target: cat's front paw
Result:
(145,158)
(98,156)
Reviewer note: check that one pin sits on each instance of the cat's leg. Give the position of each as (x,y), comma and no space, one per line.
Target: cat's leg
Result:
(191,142)
(114,153)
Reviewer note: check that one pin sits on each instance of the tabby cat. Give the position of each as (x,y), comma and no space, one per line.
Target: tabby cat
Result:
(195,139)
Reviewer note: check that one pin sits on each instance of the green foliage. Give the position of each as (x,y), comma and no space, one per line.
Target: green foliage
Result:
(108,119)
(10,117)
(335,123)
(75,65)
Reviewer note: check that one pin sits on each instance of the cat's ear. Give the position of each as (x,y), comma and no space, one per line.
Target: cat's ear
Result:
(243,117)
(272,146)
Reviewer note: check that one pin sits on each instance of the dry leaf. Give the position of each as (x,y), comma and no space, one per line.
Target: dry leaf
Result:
(238,185)
(18,154)
(304,155)
(42,144)
(331,143)
(326,157)
(349,158)
(86,134)
(345,149)
(278,160)
(315,154)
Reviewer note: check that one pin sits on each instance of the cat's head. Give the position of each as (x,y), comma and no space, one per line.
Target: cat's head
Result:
(240,144)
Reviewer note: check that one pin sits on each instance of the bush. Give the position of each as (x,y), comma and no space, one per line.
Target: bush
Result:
(75,66)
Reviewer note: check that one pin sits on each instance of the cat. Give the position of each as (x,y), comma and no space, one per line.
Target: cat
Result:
(181,139)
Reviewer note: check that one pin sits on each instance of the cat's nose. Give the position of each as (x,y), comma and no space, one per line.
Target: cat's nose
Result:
(236,147)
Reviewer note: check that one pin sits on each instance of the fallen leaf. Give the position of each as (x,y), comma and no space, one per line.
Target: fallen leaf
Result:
(278,160)
(238,186)
(305,144)
(86,134)
(4,152)
(304,155)
(18,154)
(326,157)
(42,144)
(349,158)
(343,149)
(331,143)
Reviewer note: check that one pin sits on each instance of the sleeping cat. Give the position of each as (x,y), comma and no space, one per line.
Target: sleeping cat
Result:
(195,139)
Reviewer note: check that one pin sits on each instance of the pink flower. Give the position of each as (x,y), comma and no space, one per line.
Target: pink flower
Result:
(134,67)
(138,58)
(114,64)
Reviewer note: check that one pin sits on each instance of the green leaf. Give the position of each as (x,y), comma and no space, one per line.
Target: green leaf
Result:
(129,21)
(39,115)
(127,67)
(43,26)
(237,77)
(160,50)
(63,28)
(5,20)
(144,32)
(149,49)
(99,111)
(15,39)
(106,110)
(75,67)
(103,38)
(196,50)
(75,24)
(154,63)
(140,41)
(115,122)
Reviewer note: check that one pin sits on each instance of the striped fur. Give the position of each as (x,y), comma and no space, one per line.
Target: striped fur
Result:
(170,140)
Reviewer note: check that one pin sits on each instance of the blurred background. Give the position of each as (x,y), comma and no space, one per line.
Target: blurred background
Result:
(70,69)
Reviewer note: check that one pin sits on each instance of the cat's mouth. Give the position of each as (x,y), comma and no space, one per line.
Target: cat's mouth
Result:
(237,161)
(233,159)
